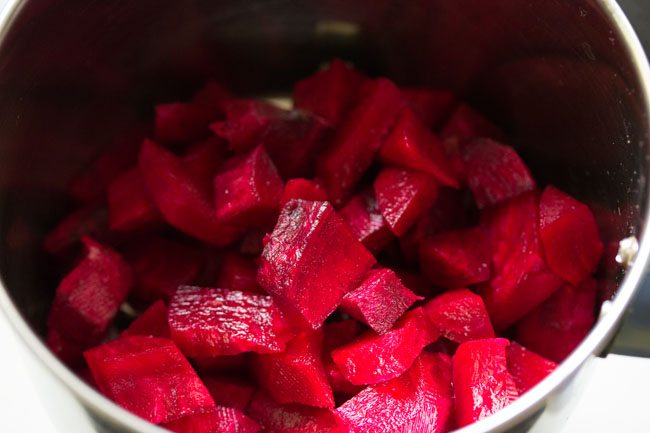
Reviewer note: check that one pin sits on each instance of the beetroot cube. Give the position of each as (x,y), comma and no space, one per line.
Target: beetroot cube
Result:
(526,367)
(431,106)
(460,316)
(229,392)
(296,375)
(211,96)
(181,201)
(341,387)
(374,358)
(152,322)
(181,122)
(465,122)
(339,333)
(412,146)
(219,420)
(364,218)
(482,383)
(206,322)
(456,258)
(303,189)
(418,401)
(203,159)
(67,350)
(238,273)
(359,138)
(555,328)
(330,93)
(379,301)
(247,121)
(403,197)
(89,220)
(311,259)
(247,189)
(129,204)
(569,235)
(149,377)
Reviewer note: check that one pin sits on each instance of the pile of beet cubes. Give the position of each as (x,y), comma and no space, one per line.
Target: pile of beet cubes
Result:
(373,260)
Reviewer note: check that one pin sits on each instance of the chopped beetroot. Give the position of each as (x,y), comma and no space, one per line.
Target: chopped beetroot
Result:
(152,322)
(418,401)
(247,190)
(412,146)
(555,328)
(67,350)
(211,95)
(457,258)
(403,197)
(339,333)
(218,420)
(207,322)
(465,122)
(495,172)
(296,375)
(130,206)
(526,367)
(364,218)
(521,280)
(379,301)
(303,189)
(374,358)
(181,201)
(247,121)
(359,138)
(229,392)
(482,384)
(203,159)
(431,106)
(460,316)
(341,387)
(569,235)
(89,220)
(181,122)
(312,259)
(149,377)
(330,93)
(238,273)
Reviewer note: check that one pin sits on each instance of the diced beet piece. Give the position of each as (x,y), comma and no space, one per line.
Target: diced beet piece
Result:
(340,385)
(403,197)
(152,322)
(203,159)
(207,322)
(312,259)
(149,377)
(292,418)
(460,316)
(379,301)
(247,120)
(521,280)
(161,265)
(569,235)
(229,392)
(374,358)
(465,122)
(219,420)
(339,333)
(457,258)
(303,189)
(182,122)
(495,172)
(418,401)
(89,220)
(129,204)
(359,138)
(526,367)
(330,93)
(296,375)
(66,350)
(88,297)
(431,106)
(247,189)
(180,200)
(364,218)
(412,146)
(558,326)
(238,273)
(211,96)
(482,383)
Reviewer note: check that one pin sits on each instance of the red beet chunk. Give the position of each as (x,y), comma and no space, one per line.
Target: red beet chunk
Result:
(238,273)
(303,189)
(521,280)
(374,358)
(89,220)
(181,122)
(412,146)
(465,122)
(161,265)
(495,172)
(311,260)
(211,96)
(359,138)
(202,160)
(181,201)
(460,316)
(431,106)
(526,367)
(379,301)
(364,218)
(149,377)
(403,197)
(88,297)
(341,387)
(418,401)
(247,189)
(482,384)
(339,333)
(247,121)
(330,93)
(569,235)
(152,322)
(296,375)
(129,204)
(219,420)
(456,258)
(229,392)
(67,350)
(206,322)
(558,326)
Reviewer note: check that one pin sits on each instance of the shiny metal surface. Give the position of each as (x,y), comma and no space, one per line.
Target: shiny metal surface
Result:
(568,81)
